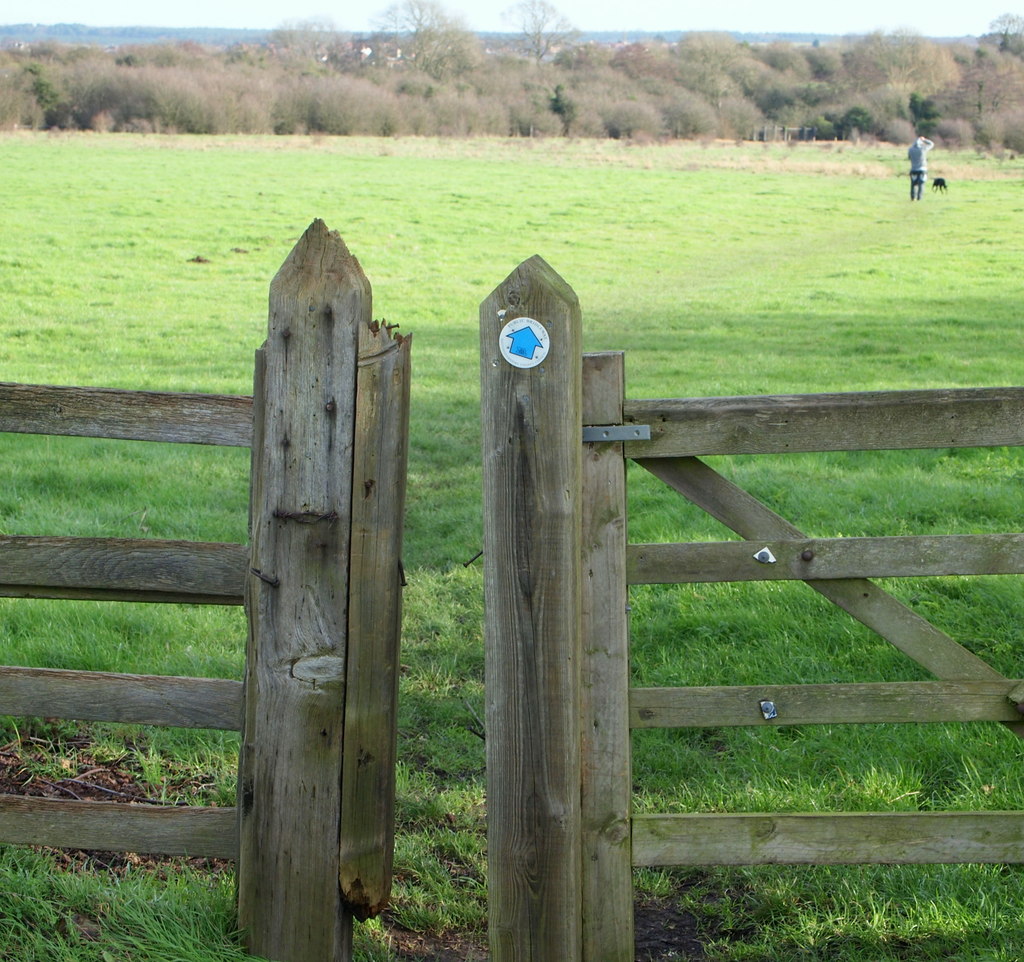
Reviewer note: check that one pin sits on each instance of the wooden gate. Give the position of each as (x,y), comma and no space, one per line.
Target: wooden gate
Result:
(313,830)
(556,436)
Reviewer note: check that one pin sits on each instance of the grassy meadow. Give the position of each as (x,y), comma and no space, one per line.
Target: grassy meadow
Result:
(145,261)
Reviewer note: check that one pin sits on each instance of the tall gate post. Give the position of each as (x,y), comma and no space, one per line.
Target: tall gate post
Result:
(531,357)
(299,881)
(606,771)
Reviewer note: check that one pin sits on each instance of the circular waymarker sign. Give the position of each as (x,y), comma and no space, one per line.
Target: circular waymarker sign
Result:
(523,342)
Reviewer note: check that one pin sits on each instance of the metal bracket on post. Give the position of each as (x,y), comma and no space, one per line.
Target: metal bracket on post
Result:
(616,432)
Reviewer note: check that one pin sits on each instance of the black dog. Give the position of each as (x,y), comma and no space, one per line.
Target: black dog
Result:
(939,184)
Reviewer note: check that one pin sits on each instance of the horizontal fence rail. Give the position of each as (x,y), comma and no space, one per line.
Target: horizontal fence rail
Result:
(837,838)
(855,421)
(825,558)
(116,827)
(115,569)
(133,699)
(223,419)
(873,702)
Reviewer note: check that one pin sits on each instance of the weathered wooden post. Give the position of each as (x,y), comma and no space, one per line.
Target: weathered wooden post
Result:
(531,356)
(307,619)
(375,620)
(607,784)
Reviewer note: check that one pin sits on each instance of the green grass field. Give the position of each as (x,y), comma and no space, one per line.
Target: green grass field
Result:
(720,269)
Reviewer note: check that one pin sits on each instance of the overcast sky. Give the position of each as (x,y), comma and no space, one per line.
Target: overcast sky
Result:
(946,19)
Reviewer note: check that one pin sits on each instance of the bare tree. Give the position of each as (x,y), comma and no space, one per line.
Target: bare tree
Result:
(435,41)
(308,39)
(707,61)
(990,83)
(903,61)
(544,31)
(1008,28)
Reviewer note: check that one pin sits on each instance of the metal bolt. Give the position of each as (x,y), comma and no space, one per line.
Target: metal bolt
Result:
(807,554)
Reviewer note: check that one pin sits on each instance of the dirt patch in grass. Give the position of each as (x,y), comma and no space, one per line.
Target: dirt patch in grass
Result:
(40,768)
(450,947)
(664,931)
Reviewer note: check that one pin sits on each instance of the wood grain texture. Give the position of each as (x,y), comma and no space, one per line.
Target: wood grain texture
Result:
(606,769)
(113,827)
(899,838)
(827,558)
(133,699)
(375,620)
(532,450)
(830,704)
(861,421)
(115,569)
(289,894)
(128,415)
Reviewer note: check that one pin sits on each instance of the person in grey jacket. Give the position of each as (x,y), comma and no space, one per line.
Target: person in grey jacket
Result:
(918,156)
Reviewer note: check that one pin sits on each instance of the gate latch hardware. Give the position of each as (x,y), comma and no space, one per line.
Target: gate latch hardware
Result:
(617,432)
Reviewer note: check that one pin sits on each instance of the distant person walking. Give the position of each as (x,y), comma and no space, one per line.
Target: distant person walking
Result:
(918,156)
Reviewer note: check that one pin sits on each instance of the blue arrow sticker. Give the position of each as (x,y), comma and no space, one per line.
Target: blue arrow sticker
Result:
(524,342)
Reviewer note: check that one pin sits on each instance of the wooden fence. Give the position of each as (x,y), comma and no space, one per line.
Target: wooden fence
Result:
(556,435)
(776,132)
(314,828)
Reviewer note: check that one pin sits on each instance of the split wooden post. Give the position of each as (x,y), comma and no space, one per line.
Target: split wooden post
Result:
(375,620)
(606,770)
(306,618)
(532,453)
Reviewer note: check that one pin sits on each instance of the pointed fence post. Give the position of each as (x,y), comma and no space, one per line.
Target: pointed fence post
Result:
(314,430)
(531,357)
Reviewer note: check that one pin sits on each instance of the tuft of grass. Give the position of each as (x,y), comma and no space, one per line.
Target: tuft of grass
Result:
(178,914)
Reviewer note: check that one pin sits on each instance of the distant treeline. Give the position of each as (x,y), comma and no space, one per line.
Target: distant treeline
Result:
(428,75)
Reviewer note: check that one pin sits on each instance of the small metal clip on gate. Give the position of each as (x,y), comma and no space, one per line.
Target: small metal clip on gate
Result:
(617,432)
